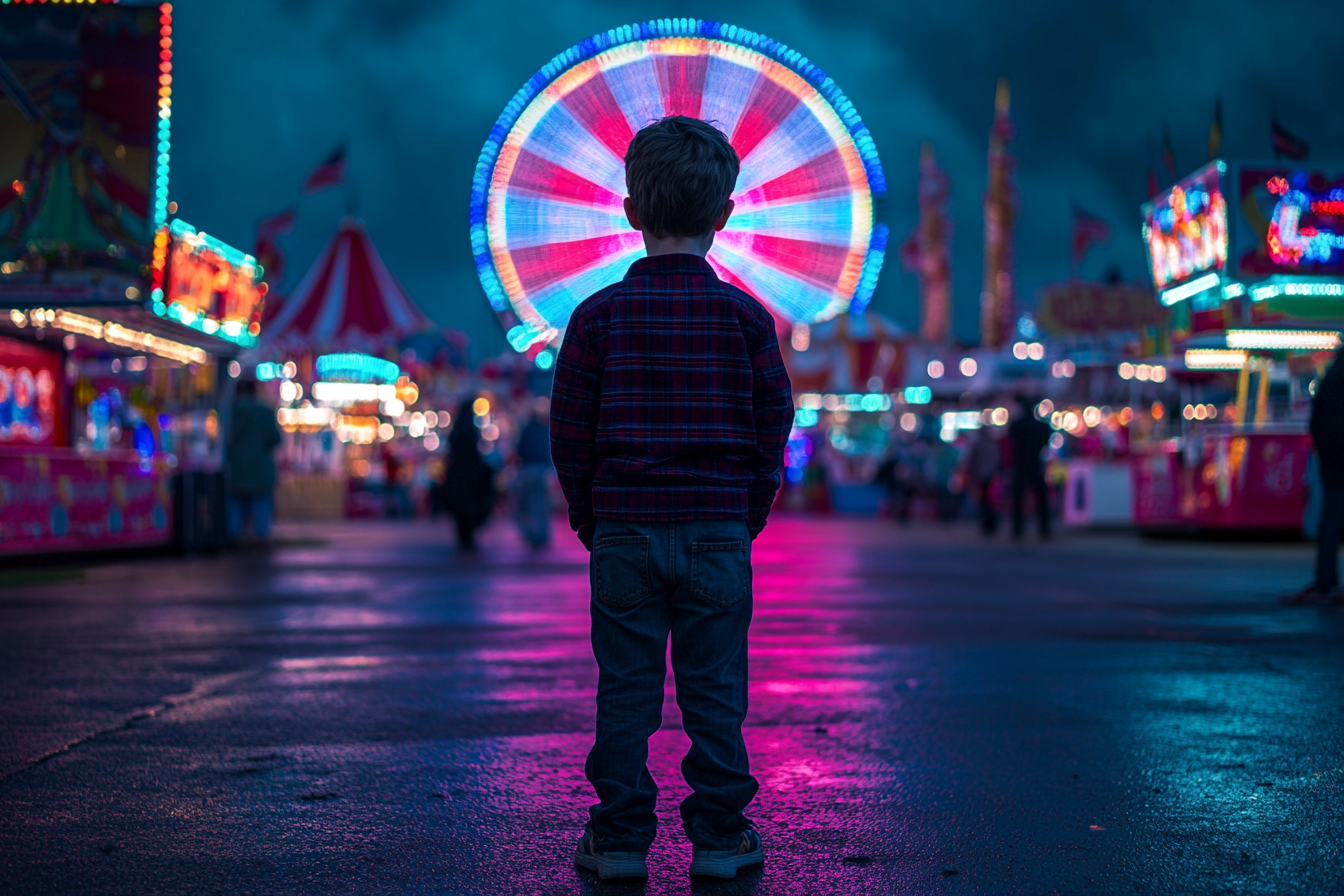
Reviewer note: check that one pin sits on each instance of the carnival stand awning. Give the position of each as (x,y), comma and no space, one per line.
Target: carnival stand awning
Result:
(347,302)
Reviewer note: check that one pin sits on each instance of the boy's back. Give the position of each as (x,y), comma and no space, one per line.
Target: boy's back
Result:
(694,405)
(670,411)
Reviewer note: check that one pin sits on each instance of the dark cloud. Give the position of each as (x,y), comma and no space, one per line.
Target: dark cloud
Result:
(263,93)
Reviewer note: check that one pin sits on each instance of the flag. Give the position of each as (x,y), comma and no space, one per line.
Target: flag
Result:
(275,225)
(1287,144)
(1168,156)
(1087,230)
(329,174)
(1216,129)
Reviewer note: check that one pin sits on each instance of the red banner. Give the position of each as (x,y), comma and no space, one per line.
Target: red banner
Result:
(59,500)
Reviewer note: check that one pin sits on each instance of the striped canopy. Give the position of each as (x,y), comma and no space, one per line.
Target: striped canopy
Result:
(548,229)
(347,302)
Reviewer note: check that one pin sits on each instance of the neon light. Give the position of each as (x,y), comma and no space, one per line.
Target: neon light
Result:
(1215,359)
(206,284)
(547,228)
(1186,229)
(356,367)
(165,116)
(1232,290)
(341,394)
(1283,340)
(1186,290)
(116,334)
(1293,243)
(918,395)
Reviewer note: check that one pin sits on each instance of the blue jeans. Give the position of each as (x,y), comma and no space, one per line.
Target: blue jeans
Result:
(691,580)
(258,507)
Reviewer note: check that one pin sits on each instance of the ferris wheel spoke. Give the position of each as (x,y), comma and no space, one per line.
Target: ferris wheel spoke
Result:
(534,220)
(825,175)
(540,266)
(728,86)
(559,299)
(770,103)
(826,219)
(563,140)
(681,83)
(821,264)
(795,298)
(797,140)
(596,108)
(636,89)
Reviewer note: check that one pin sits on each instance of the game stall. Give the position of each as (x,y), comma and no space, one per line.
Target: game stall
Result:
(1252,268)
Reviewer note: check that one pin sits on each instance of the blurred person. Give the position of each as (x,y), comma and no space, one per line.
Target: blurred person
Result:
(469,482)
(396,502)
(1327,435)
(253,436)
(534,476)
(670,412)
(1030,436)
(983,462)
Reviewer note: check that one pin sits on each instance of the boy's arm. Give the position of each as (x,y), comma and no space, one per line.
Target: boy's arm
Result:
(575,395)
(772,407)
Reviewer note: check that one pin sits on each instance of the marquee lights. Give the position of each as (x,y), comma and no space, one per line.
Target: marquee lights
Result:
(116,334)
(1291,241)
(1283,340)
(341,394)
(356,367)
(165,119)
(1215,359)
(815,401)
(1186,229)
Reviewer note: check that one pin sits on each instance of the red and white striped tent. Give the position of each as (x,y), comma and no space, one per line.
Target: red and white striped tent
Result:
(347,302)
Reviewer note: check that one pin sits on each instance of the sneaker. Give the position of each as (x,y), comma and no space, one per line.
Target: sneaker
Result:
(724,863)
(609,865)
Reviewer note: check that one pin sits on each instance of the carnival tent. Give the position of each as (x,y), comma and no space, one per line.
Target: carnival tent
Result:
(347,302)
(848,353)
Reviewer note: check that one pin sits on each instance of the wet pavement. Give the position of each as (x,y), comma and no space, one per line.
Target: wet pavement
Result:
(364,711)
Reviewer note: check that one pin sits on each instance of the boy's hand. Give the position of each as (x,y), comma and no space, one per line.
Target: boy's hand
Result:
(585,534)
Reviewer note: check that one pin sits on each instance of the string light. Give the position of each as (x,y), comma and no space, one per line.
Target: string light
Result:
(1283,340)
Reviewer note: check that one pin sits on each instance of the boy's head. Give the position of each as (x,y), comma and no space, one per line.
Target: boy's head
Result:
(680,172)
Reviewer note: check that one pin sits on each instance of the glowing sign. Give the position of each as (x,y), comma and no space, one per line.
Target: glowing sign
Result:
(1185,229)
(1291,221)
(208,285)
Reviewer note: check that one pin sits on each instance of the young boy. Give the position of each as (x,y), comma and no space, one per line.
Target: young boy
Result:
(670,411)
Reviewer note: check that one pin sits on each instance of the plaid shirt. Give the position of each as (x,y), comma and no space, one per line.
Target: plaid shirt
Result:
(670,401)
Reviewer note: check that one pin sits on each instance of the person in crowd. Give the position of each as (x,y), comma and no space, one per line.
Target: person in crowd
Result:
(671,410)
(250,458)
(396,501)
(983,462)
(533,485)
(1327,434)
(469,482)
(1030,436)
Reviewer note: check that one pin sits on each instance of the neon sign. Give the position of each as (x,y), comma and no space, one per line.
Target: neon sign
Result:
(1290,221)
(1185,230)
(207,285)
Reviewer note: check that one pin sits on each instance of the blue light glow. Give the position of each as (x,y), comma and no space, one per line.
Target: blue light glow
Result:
(354,367)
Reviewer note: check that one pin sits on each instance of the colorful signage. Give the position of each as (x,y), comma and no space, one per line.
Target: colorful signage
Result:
(60,500)
(84,133)
(1185,229)
(30,395)
(1291,221)
(208,285)
(1082,307)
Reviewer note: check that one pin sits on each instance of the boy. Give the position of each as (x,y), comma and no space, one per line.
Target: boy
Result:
(669,415)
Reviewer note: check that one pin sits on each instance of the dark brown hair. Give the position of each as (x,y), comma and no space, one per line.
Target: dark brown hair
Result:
(680,171)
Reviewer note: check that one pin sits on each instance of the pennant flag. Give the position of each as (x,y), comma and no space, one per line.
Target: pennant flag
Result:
(329,174)
(1288,144)
(1168,156)
(1216,129)
(1088,230)
(278,224)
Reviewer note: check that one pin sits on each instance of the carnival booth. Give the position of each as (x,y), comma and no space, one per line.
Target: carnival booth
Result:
(117,327)
(341,353)
(1252,267)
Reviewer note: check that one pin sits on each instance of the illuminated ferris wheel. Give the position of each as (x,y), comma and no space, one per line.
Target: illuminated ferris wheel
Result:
(547,224)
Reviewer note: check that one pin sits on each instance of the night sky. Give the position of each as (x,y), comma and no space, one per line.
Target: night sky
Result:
(265,89)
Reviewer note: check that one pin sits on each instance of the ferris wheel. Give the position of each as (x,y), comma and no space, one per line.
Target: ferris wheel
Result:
(547,224)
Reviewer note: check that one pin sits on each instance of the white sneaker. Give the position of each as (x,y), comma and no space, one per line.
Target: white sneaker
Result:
(609,865)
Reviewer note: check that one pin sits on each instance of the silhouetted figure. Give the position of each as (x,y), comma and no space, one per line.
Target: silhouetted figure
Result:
(1327,433)
(1030,436)
(982,467)
(469,485)
(253,435)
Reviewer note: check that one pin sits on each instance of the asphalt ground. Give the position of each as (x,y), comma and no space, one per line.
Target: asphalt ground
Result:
(362,710)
